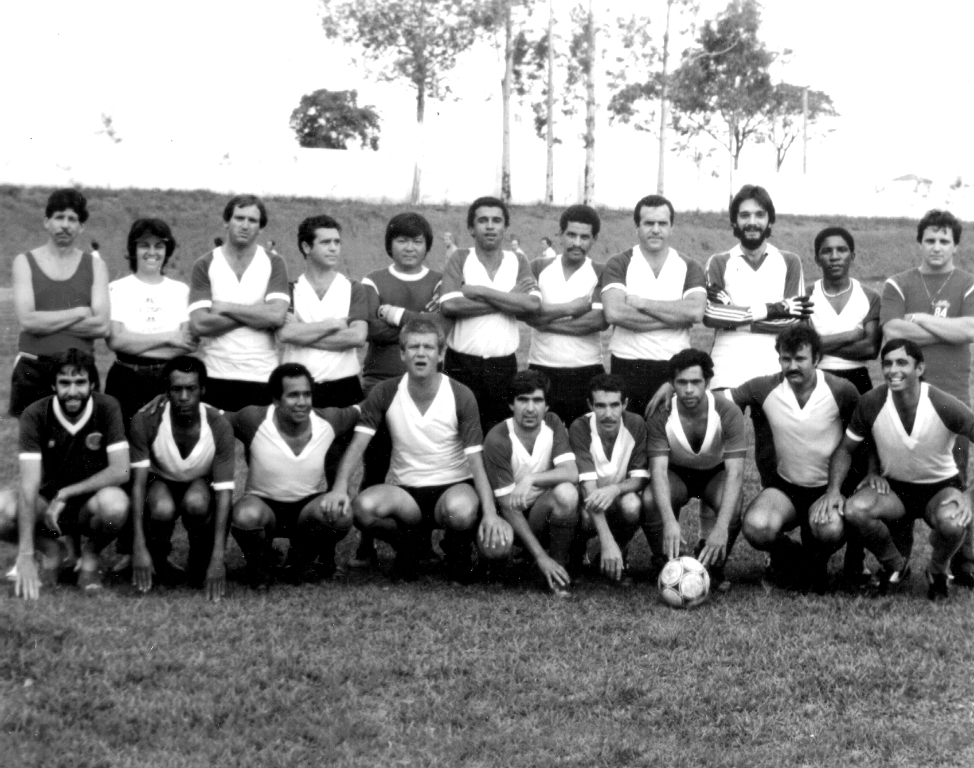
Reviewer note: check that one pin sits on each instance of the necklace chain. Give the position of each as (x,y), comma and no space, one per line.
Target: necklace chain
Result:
(939,290)
(834,295)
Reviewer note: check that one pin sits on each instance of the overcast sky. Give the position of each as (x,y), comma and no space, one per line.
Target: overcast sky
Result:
(210,77)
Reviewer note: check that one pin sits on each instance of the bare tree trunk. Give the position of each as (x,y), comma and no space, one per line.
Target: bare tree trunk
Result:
(589,189)
(420,84)
(664,101)
(731,163)
(549,179)
(506,98)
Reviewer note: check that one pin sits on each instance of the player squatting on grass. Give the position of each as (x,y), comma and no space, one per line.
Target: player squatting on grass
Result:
(531,482)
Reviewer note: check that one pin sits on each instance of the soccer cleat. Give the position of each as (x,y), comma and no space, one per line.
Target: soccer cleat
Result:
(964,579)
(458,554)
(561,591)
(937,587)
(365,556)
(890,581)
(405,567)
(90,582)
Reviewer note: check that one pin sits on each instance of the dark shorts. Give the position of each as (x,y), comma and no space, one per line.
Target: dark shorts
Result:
(339,393)
(858,376)
(29,382)
(569,389)
(234,394)
(134,381)
(801,497)
(916,496)
(696,480)
(489,378)
(642,378)
(427,496)
(286,514)
(68,520)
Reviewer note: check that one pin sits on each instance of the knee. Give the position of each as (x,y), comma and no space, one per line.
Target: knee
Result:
(858,508)
(944,521)
(365,510)
(830,533)
(196,505)
(630,510)
(498,551)
(247,514)
(459,514)
(565,497)
(315,514)
(760,528)
(111,507)
(8,514)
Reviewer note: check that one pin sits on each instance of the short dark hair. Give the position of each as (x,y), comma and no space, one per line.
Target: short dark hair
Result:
(245,201)
(67,199)
(828,232)
(308,227)
(185,364)
(154,227)
(408,225)
(938,219)
(606,382)
(94,245)
(487,202)
(217,241)
(752,192)
(275,384)
(419,325)
(797,336)
(76,359)
(653,201)
(910,347)
(580,214)
(526,382)
(547,241)
(687,358)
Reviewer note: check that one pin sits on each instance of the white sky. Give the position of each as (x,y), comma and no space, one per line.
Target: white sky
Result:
(193,80)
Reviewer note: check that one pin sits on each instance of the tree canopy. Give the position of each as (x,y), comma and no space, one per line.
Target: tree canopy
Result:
(331,119)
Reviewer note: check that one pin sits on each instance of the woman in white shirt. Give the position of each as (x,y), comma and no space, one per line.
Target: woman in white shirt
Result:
(149,318)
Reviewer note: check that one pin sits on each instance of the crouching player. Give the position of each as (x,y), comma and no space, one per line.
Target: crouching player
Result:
(286,444)
(609,444)
(911,427)
(179,452)
(696,450)
(533,473)
(73,459)
(436,475)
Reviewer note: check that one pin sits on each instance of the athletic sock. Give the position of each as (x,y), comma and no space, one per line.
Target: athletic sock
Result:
(560,542)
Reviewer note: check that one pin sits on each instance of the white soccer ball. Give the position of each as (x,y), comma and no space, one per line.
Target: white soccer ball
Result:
(684,583)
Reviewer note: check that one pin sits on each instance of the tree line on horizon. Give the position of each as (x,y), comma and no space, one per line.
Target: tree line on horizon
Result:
(719,97)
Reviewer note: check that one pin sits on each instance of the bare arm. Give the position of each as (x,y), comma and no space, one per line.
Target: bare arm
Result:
(618,312)
(264,315)
(203,322)
(513,303)
(28,583)
(131,343)
(116,473)
(865,347)
(492,532)
(352,337)
(96,326)
(461,306)
(216,572)
(305,334)
(904,329)
(567,309)
(590,322)
(685,311)
(41,323)
(950,330)
(660,482)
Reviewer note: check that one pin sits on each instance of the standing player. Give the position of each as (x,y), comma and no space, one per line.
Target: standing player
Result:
(406,290)
(60,297)
(532,470)
(327,322)
(565,343)
(73,458)
(286,444)
(436,473)
(609,444)
(486,290)
(911,426)
(238,297)
(150,319)
(754,292)
(695,451)
(805,411)
(179,453)
(653,296)
(933,306)
(846,313)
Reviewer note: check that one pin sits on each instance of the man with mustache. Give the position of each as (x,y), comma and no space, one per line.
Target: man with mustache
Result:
(805,412)
(754,291)
(60,298)
(565,340)
(652,295)
(73,459)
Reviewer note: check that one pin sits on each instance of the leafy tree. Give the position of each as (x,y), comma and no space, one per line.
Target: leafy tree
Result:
(415,40)
(331,119)
(722,88)
(785,116)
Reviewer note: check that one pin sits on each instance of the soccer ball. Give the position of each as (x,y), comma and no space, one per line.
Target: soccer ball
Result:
(684,583)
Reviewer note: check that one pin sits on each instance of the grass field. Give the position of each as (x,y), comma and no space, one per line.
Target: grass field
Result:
(358,672)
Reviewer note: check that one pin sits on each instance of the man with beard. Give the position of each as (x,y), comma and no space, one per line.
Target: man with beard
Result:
(238,297)
(652,295)
(73,459)
(60,298)
(182,467)
(805,411)
(754,292)
(486,290)
(609,444)
(911,426)
(565,340)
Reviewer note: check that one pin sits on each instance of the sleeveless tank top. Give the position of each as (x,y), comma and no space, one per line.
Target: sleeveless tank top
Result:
(51,295)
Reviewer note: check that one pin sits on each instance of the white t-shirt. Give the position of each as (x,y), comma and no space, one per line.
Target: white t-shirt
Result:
(145,308)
